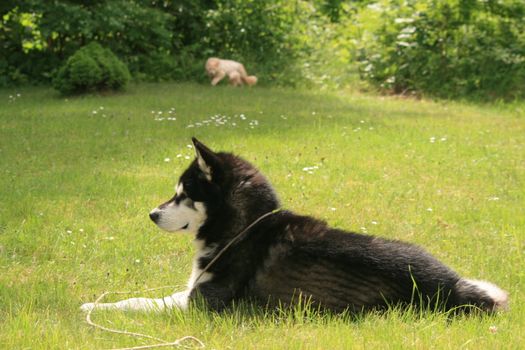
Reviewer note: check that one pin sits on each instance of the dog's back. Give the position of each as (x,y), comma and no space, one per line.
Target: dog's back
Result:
(341,270)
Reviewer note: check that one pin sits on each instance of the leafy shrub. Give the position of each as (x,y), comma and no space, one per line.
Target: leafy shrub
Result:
(91,68)
(327,46)
(449,48)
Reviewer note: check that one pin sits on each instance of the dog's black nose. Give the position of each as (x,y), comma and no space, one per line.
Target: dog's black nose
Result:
(154,216)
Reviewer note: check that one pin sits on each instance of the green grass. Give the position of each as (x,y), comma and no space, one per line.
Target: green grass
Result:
(76,188)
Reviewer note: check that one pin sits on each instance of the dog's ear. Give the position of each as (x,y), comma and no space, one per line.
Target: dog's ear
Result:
(209,163)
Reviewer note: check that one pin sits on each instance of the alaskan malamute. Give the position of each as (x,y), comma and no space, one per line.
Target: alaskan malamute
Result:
(247,248)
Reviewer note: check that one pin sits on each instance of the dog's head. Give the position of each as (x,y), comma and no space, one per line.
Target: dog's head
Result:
(215,184)
(212,66)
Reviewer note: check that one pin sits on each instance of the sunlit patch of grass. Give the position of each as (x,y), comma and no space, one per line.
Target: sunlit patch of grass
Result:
(76,187)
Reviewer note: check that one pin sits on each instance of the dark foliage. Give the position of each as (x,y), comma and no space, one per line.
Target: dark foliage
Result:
(157,40)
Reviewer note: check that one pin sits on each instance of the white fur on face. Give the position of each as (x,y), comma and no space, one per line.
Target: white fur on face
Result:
(184,216)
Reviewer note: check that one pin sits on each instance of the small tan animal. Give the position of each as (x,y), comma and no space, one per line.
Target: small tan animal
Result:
(218,68)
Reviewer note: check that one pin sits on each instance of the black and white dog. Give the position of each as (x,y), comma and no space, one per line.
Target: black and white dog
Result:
(284,258)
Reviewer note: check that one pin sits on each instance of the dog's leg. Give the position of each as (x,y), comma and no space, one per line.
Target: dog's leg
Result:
(220,74)
(235,79)
(177,300)
(216,296)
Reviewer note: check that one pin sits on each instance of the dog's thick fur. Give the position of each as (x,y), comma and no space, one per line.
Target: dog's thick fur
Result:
(218,68)
(288,257)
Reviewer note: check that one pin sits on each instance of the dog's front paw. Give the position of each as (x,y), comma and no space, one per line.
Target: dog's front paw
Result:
(87,307)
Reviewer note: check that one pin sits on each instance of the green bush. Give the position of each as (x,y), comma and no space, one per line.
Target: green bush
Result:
(448,48)
(91,68)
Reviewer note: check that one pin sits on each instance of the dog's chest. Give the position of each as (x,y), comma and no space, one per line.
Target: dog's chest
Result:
(197,275)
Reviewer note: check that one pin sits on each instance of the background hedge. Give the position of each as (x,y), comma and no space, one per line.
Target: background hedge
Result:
(437,47)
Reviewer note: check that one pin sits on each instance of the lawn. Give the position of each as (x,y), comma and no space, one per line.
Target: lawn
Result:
(79,175)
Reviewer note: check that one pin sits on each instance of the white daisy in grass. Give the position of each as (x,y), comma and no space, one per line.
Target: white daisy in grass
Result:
(310,169)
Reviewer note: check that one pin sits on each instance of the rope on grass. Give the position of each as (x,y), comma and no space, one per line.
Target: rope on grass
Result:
(162,342)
